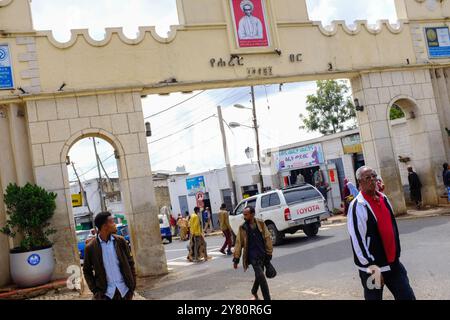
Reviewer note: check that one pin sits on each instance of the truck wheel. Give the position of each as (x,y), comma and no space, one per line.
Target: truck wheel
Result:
(311,230)
(277,236)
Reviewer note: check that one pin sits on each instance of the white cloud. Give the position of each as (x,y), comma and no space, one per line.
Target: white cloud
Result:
(62,15)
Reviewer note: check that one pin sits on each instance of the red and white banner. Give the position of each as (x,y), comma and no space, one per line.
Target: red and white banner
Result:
(250,21)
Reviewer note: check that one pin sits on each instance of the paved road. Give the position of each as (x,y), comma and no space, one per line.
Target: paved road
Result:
(320,268)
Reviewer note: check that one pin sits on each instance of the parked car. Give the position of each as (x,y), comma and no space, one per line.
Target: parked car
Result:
(285,211)
(122,230)
(164,225)
(82,236)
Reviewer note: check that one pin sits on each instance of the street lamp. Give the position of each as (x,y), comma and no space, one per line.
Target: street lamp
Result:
(240,106)
(234,125)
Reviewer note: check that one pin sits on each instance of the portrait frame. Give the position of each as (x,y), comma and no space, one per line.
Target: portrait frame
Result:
(264,12)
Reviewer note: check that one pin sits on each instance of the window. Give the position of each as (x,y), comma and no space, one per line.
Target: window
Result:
(274,199)
(251,203)
(265,201)
(270,200)
(301,195)
(239,210)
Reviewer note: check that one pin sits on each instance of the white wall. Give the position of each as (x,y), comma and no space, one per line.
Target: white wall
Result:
(215,181)
(402,146)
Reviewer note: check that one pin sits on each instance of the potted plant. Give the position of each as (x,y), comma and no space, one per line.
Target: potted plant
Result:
(29,210)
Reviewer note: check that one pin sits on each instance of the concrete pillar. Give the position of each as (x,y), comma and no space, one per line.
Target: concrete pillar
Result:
(413,92)
(54,126)
(7,175)
(375,138)
(4,245)
(20,144)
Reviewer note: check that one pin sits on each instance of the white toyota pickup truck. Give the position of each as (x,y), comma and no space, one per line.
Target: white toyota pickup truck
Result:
(285,211)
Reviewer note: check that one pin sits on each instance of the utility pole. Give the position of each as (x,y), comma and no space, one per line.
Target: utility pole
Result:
(227,157)
(100,183)
(258,150)
(91,215)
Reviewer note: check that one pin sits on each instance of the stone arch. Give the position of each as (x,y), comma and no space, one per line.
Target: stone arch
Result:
(125,184)
(421,153)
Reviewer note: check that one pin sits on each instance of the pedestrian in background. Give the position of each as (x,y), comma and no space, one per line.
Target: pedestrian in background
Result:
(415,187)
(183,225)
(376,242)
(197,245)
(224,222)
(173,225)
(446,178)
(255,241)
(206,220)
(380,184)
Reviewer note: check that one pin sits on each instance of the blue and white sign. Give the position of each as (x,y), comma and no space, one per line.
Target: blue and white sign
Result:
(195,185)
(438,40)
(6,74)
(34,260)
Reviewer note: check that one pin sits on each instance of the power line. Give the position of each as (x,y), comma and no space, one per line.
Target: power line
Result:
(174,106)
(224,96)
(185,150)
(95,167)
(185,128)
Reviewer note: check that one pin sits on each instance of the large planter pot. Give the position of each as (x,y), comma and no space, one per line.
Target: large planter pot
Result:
(31,269)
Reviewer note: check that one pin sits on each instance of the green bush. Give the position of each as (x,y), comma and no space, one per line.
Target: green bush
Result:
(29,210)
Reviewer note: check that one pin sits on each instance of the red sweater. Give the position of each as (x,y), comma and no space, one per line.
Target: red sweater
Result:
(385,227)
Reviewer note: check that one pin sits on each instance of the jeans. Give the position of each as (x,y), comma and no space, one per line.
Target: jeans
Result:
(117,296)
(260,279)
(227,234)
(395,280)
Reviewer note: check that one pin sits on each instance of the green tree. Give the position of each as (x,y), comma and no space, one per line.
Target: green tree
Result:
(329,109)
(396,113)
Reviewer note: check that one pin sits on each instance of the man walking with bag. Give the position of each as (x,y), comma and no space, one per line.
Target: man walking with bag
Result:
(376,242)
(254,238)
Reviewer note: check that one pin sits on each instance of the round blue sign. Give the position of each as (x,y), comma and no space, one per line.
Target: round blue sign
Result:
(34,259)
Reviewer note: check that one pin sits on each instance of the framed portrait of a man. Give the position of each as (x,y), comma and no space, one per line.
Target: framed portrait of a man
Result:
(250,23)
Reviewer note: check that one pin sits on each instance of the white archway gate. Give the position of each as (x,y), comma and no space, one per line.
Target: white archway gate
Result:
(65,91)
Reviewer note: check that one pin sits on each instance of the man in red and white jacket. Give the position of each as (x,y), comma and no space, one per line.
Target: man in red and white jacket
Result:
(375,241)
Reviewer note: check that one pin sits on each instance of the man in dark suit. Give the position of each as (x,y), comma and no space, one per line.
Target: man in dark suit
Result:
(108,265)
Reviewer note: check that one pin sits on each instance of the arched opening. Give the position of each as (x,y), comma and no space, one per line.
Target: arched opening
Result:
(94,175)
(407,125)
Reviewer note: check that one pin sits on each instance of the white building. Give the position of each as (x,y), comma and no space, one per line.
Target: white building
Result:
(90,201)
(329,158)
(215,187)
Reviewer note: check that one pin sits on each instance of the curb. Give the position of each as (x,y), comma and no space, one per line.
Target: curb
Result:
(28,293)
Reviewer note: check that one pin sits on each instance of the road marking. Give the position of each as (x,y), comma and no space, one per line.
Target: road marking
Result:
(185,263)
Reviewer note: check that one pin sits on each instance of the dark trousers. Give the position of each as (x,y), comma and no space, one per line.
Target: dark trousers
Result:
(260,279)
(228,242)
(117,296)
(395,280)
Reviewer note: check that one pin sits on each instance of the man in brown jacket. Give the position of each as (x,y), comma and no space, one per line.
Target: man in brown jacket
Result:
(224,222)
(254,238)
(108,265)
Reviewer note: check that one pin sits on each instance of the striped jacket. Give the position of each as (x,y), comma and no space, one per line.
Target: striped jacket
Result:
(368,249)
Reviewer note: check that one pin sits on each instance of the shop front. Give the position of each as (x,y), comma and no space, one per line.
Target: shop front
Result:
(301,165)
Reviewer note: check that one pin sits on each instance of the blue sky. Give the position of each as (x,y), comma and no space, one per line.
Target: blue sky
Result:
(200,147)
